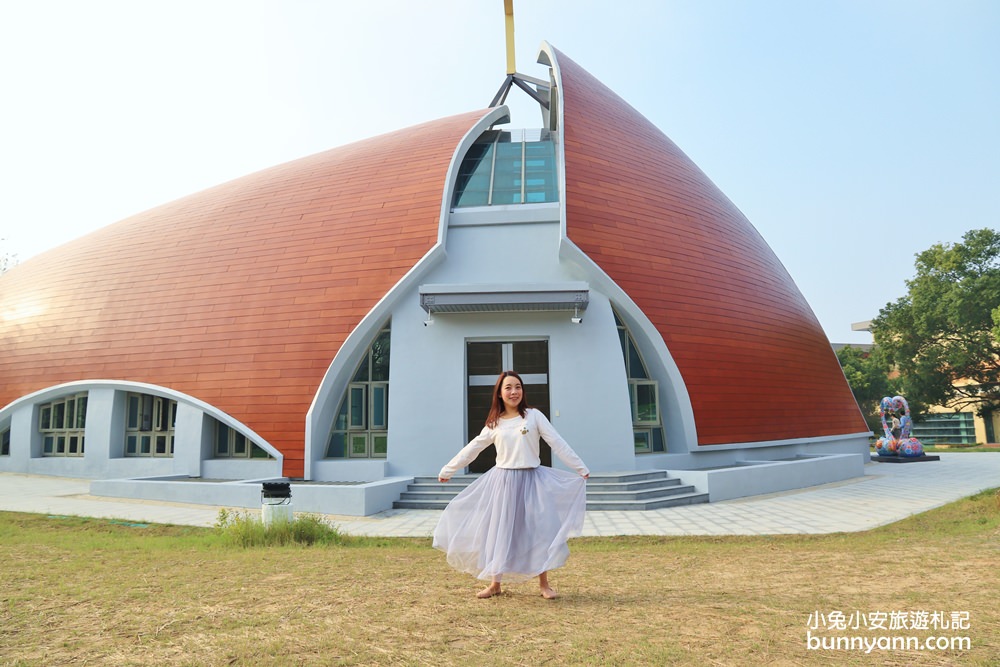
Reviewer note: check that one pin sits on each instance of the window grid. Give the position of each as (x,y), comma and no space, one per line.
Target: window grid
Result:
(508,168)
(62,424)
(149,425)
(360,429)
(644,396)
(231,444)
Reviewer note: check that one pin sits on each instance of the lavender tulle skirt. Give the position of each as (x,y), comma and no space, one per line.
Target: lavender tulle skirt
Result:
(513,524)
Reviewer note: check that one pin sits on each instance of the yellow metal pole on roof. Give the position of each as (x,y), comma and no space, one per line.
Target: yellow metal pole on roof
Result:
(508,10)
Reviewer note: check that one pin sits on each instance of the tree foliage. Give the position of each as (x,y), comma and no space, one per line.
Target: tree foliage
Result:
(943,336)
(867,374)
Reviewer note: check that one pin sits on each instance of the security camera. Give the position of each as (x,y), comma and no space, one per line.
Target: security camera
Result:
(576,319)
(427,323)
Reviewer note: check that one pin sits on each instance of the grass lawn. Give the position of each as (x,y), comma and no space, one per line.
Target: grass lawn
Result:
(99,592)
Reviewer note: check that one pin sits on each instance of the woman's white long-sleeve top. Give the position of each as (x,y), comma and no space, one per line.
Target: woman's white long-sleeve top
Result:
(516,440)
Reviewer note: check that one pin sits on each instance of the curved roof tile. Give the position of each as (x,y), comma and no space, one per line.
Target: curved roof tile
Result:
(754,358)
(240,295)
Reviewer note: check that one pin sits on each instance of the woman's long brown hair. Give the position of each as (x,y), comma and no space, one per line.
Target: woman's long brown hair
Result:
(497,406)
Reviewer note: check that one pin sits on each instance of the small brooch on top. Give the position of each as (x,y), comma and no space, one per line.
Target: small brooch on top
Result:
(524,428)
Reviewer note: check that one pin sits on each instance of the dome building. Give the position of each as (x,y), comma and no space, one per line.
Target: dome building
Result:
(339,321)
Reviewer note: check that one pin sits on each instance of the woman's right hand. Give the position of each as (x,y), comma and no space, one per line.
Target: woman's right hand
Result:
(444,479)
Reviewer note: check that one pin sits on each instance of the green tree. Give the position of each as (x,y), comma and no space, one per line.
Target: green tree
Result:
(868,375)
(941,336)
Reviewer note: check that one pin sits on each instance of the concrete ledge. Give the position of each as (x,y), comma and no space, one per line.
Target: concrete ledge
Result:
(348,499)
(751,478)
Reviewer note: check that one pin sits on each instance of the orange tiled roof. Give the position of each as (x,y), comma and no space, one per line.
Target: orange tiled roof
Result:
(755,360)
(240,295)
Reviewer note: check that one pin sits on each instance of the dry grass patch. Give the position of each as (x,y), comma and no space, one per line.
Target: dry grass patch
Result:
(81,591)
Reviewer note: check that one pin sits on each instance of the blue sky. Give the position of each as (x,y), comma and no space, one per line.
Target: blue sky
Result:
(852,133)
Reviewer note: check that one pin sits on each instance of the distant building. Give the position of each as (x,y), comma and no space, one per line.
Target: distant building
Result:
(341,318)
(944,424)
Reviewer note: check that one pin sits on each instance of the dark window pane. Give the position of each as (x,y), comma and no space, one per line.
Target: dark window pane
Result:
(81,412)
(147,413)
(337,447)
(132,420)
(485,359)
(658,440)
(222,440)
(239,445)
(646,402)
(380,358)
(531,356)
(636,369)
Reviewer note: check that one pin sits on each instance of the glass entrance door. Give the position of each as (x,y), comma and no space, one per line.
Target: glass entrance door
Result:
(484,363)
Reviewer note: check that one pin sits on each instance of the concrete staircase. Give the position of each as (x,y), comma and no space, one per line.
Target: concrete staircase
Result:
(633,490)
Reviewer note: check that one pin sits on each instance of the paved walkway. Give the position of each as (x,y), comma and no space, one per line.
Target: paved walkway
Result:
(888,492)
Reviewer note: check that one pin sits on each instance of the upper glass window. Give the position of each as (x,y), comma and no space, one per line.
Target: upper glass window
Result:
(516,167)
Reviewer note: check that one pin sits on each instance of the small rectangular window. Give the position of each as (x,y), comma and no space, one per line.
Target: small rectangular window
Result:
(358,406)
(380,445)
(239,445)
(380,406)
(359,445)
(221,440)
(642,441)
(645,402)
(132,419)
(81,412)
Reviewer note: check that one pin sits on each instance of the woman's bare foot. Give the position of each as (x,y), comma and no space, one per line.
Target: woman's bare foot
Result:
(543,585)
(489,591)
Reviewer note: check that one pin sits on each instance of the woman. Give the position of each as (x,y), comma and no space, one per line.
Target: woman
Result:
(513,522)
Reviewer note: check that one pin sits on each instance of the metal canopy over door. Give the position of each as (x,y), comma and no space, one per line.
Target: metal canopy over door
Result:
(484,363)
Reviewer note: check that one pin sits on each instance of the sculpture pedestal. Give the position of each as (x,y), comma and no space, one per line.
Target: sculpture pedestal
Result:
(906,459)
